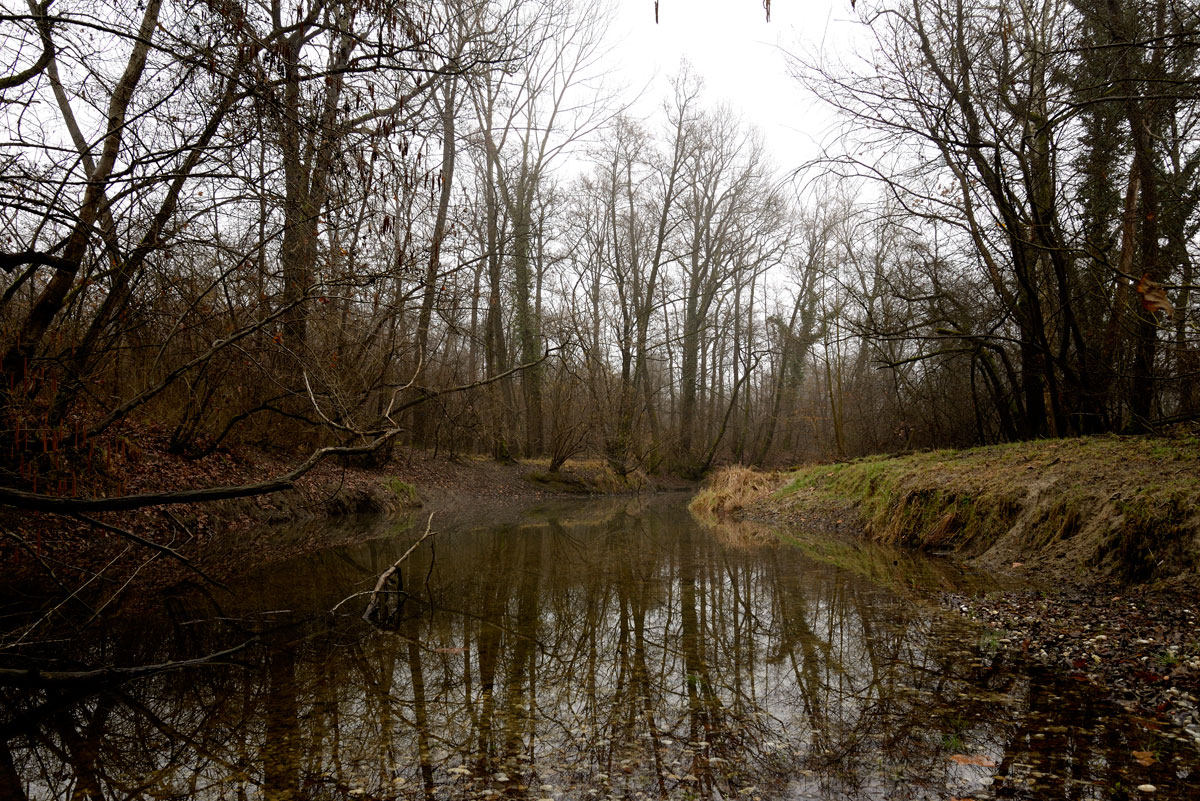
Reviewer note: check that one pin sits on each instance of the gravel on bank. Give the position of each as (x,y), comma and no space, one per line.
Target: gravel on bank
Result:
(1139,644)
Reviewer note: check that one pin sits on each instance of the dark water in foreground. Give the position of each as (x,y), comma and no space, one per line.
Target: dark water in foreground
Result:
(601,651)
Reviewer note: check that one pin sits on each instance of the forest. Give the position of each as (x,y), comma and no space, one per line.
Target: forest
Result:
(338,228)
(354,269)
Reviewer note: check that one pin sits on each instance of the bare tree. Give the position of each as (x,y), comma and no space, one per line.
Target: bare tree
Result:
(991,124)
(526,121)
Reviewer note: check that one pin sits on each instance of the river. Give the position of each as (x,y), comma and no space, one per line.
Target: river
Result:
(587,652)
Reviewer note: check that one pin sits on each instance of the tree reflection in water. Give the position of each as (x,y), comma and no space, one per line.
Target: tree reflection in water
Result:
(628,654)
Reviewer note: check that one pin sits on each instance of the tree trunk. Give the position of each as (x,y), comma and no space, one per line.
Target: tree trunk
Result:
(421,421)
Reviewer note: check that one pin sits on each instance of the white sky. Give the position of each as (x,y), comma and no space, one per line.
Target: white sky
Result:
(740,57)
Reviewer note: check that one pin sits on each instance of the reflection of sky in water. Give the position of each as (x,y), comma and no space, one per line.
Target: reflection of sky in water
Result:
(632,656)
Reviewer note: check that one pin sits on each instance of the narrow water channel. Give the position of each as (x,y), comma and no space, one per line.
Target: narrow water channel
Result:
(612,650)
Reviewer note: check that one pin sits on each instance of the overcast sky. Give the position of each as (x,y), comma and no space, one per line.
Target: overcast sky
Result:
(740,56)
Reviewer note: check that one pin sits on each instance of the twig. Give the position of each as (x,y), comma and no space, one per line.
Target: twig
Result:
(25,546)
(75,595)
(115,594)
(152,545)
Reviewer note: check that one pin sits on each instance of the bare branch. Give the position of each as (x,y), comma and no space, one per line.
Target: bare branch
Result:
(32,677)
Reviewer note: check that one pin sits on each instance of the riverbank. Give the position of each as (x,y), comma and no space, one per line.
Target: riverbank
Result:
(220,538)
(1117,508)
(1104,532)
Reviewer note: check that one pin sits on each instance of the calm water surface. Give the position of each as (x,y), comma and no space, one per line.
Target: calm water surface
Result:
(600,651)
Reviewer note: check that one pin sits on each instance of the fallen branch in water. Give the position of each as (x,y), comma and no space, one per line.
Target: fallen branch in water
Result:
(377,593)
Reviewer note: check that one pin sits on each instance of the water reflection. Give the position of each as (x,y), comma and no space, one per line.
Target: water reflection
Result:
(599,653)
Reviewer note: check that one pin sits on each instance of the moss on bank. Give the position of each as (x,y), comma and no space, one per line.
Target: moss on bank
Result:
(405,493)
(1118,507)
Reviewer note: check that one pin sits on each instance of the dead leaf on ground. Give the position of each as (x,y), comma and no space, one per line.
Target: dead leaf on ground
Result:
(973,759)
(1144,757)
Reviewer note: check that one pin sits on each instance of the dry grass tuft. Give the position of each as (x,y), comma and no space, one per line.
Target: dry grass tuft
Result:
(732,489)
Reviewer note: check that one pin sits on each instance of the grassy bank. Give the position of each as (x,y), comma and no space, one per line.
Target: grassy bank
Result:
(1113,507)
